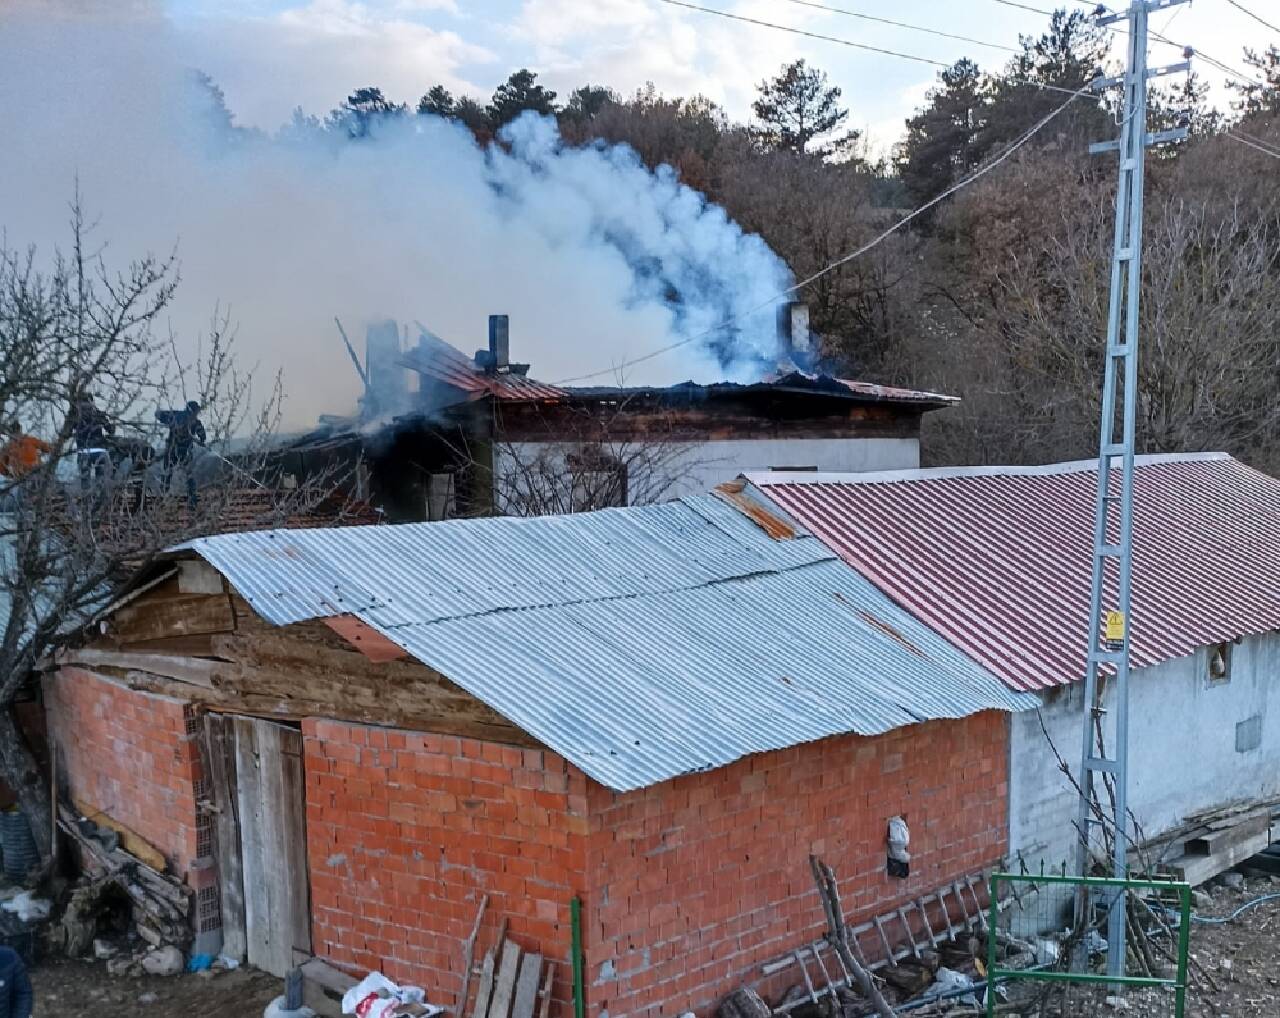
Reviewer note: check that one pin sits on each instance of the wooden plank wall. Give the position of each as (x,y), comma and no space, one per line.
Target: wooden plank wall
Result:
(182,639)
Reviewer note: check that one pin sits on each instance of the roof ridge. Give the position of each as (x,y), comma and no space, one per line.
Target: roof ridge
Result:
(765,478)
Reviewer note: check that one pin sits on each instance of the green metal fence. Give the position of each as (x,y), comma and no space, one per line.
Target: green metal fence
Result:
(1036,912)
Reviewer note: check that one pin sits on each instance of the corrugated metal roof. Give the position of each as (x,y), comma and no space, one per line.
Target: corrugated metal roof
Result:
(639,643)
(436,359)
(998,559)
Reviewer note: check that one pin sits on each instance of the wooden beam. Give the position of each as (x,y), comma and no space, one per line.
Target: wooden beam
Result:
(154,617)
(196,671)
(131,841)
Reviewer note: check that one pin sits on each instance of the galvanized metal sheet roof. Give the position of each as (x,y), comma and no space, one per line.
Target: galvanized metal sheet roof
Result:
(997,559)
(638,643)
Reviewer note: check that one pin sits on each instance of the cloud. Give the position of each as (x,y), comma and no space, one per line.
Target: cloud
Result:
(595,258)
(314,55)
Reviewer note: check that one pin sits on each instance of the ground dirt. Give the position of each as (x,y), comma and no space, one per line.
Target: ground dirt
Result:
(1241,957)
(65,987)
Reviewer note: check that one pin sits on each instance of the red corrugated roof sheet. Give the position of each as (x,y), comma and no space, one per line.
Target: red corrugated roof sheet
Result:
(435,359)
(998,559)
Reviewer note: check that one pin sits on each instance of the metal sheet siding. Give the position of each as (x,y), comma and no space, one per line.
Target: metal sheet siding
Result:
(999,562)
(639,643)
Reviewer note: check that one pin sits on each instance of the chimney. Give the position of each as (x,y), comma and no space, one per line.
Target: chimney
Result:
(388,386)
(793,333)
(499,343)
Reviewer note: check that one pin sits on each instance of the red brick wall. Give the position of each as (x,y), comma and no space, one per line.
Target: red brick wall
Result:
(128,753)
(695,883)
(407,830)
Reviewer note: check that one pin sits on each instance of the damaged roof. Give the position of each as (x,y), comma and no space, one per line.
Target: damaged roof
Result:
(639,643)
(793,382)
(998,559)
(437,360)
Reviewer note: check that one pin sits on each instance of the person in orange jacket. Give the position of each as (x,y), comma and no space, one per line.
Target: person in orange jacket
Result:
(21,454)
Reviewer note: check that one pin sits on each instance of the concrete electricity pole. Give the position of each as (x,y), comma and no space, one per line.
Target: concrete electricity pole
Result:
(1109,627)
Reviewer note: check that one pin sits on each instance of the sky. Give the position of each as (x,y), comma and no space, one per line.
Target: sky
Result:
(272,55)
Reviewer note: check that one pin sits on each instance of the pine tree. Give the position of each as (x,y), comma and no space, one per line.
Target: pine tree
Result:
(518,93)
(438,101)
(941,142)
(1263,96)
(797,108)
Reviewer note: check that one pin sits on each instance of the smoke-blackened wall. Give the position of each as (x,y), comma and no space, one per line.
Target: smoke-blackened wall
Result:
(596,259)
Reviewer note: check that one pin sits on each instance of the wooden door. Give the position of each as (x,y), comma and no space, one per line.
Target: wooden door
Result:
(259,789)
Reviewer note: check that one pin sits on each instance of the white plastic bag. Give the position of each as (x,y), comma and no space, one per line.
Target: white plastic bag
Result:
(899,838)
(950,981)
(28,907)
(376,996)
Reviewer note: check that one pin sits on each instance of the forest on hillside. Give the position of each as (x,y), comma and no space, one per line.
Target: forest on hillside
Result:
(998,294)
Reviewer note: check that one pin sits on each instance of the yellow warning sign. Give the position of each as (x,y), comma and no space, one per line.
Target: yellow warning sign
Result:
(1113,625)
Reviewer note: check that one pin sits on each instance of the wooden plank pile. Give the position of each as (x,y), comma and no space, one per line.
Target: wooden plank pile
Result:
(1213,841)
(513,983)
(161,904)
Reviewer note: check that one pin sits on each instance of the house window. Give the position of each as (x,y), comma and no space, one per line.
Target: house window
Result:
(1219,663)
(598,480)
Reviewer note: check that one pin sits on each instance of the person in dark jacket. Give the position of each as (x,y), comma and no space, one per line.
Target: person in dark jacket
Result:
(185,432)
(16,999)
(90,427)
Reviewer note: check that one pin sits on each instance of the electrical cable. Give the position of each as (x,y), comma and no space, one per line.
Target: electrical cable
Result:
(1256,17)
(801,31)
(1260,148)
(884,235)
(1026,7)
(903,24)
(846,42)
(1257,141)
(1223,920)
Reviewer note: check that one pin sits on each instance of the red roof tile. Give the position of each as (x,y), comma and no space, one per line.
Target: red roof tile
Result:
(437,360)
(998,560)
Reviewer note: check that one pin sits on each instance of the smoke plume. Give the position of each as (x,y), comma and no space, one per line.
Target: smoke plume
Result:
(596,259)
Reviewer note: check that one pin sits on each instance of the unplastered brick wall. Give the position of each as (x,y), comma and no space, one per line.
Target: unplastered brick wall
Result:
(130,754)
(695,883)
(406,831)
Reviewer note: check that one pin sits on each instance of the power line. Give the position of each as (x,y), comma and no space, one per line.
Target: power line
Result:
(1257,18)
(884,235)
(1049,13)
(801,31)
(903,24)
(1253,143)
(847,42)
(1026,7)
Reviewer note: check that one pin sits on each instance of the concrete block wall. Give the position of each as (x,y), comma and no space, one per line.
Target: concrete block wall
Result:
(695,883)
(1182,748)
(134,756)
(407,830)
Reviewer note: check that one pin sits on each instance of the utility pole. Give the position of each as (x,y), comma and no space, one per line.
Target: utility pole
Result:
(1109,623)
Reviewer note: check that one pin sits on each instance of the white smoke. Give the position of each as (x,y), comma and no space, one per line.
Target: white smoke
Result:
(596,260)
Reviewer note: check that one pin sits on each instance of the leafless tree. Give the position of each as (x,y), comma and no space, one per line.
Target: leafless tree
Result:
(1021,332)
(83,504)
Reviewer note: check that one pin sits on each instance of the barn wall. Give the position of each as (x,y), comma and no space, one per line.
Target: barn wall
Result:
(132,755)
(696,882)
(407,830)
